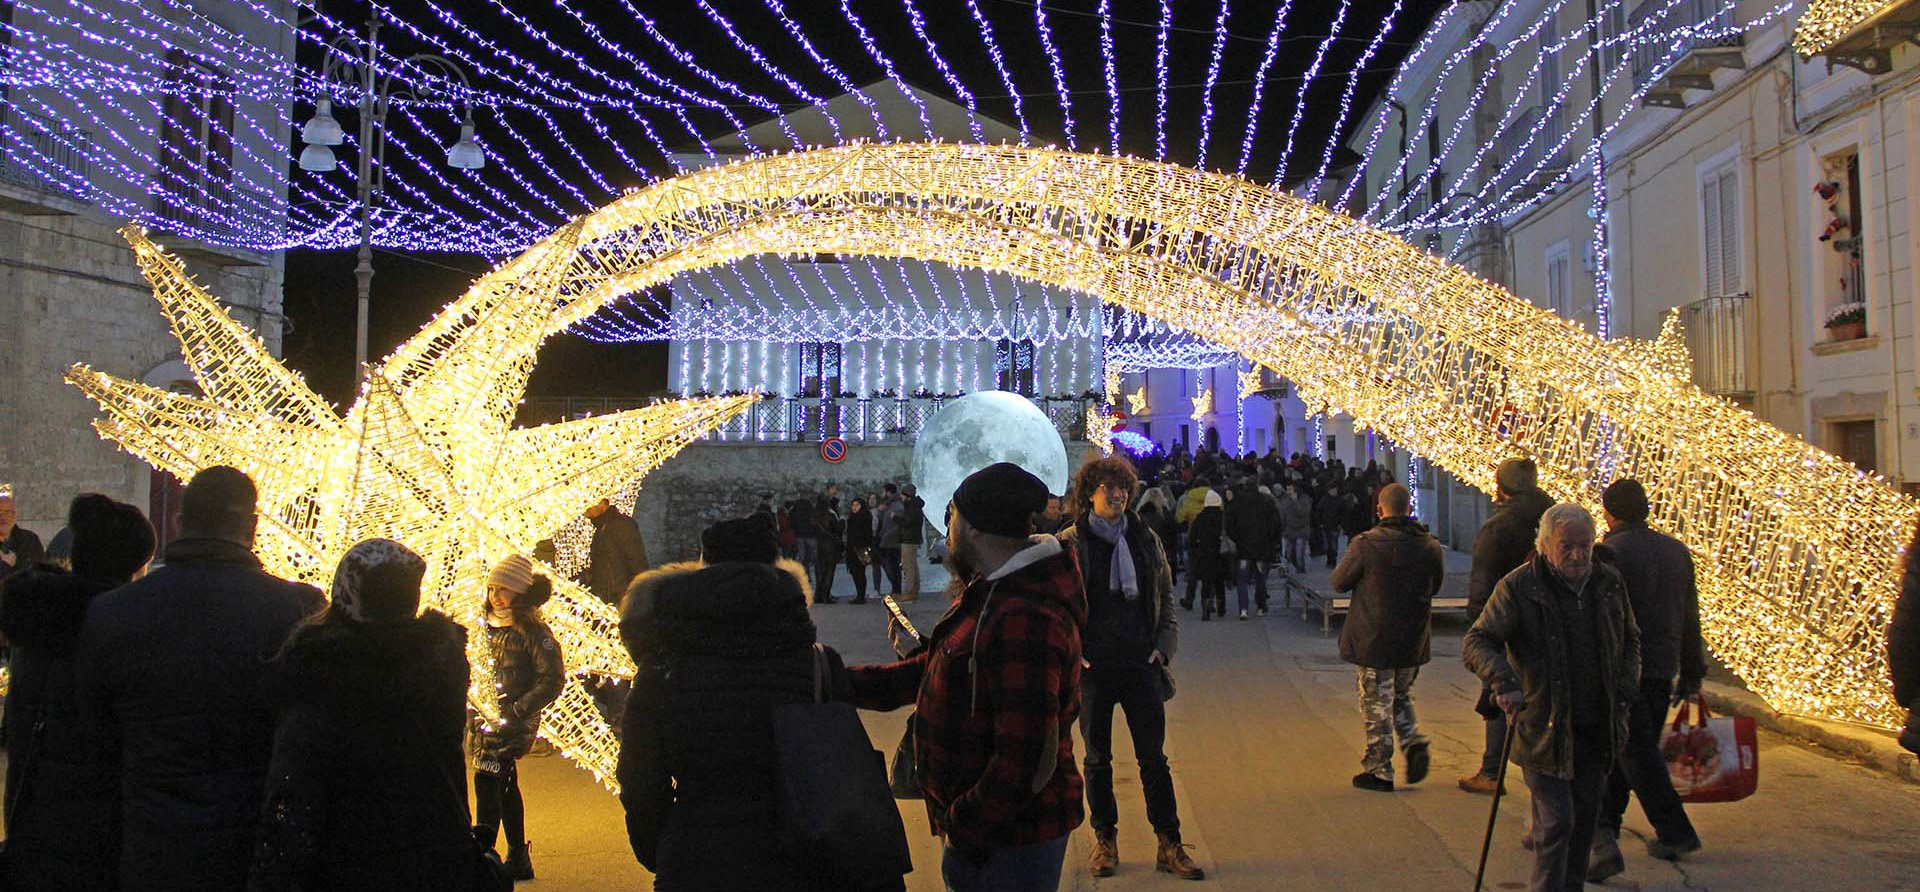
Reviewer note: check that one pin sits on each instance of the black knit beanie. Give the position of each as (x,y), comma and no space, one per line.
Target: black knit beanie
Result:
(111,540)
(748,539)
(1001,499)
(1626,500)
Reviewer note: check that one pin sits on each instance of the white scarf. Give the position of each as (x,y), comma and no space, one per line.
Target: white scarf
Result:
(1120,574)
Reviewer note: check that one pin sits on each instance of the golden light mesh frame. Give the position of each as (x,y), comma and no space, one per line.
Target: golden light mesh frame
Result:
(1798,551)
(427,456)
(1825,22)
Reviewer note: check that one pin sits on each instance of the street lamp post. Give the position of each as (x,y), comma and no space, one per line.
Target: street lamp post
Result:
(345,65)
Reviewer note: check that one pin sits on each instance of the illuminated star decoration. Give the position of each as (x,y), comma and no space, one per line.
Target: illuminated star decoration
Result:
(428,456)
(1137,401)
(1250,381)
(1100,430)
(1203,405)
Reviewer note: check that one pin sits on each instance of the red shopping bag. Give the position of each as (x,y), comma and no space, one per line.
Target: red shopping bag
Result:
(1713,760)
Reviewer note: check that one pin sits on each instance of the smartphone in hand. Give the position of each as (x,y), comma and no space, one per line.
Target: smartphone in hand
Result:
(906,639)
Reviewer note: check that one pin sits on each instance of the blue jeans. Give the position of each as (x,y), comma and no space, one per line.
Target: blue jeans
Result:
(806,550)
(1028,868)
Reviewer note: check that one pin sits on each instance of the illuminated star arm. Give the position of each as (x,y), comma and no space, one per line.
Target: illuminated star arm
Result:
(230,363)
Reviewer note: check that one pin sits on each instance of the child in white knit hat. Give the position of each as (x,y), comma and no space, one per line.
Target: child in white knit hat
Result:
(528,673)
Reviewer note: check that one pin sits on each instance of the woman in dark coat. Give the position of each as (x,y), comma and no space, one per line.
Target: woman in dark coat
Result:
(1205,563)
(529,672)
(719,645)
(859,546)
(61,796)
(367,787)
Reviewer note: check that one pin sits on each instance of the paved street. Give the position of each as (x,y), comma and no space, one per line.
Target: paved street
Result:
(1264,737)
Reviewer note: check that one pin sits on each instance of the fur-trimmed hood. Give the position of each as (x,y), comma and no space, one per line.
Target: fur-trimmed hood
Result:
(44,607)
(726,607)
(367,667)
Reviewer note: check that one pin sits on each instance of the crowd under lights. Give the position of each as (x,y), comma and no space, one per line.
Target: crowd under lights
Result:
(1802,547)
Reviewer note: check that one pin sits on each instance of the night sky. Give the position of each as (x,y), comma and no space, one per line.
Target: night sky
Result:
(409,288)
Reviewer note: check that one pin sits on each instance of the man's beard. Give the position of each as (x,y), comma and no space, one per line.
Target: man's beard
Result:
(960,568)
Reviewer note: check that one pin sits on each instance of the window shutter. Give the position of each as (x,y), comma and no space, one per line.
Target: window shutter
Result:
(1729,234)
(1710,211)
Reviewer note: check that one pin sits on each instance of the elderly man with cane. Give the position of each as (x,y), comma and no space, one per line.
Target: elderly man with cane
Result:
(1558,647)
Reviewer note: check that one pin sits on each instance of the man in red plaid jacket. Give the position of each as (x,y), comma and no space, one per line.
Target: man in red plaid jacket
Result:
(996,691)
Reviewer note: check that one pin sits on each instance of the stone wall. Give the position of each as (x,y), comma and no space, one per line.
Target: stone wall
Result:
(70,292)
(709,482)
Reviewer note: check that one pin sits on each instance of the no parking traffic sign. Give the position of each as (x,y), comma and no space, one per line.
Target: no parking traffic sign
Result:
(834,450)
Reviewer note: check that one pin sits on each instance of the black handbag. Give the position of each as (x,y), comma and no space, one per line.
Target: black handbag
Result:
(903,777)
(834,804)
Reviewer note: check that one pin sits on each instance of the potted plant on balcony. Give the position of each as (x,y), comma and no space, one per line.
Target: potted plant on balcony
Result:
(1847,322)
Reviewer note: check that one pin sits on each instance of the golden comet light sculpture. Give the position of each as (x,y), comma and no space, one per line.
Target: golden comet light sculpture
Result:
(427,456)
(1799,551)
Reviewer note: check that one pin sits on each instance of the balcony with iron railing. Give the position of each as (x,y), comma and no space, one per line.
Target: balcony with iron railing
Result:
(1869,46)
(877,419)
(1684,44)
(1717,331)
(43,155)
(1531,145)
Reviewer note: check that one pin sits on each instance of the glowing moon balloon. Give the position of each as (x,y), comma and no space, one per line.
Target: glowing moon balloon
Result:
(978,430)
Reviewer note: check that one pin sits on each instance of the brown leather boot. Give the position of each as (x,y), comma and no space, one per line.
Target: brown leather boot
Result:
(1106,854)
(1173,859)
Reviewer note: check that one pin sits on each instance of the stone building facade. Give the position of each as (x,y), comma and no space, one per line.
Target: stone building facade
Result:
(75,165)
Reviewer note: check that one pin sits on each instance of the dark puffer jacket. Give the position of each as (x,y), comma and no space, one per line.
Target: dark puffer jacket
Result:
(1503,544)
(1393,570)
(529,672)
(719,647)
(367,789)
(172,671)
(1253,520)
(1204,560)
(615,556)
(60,824)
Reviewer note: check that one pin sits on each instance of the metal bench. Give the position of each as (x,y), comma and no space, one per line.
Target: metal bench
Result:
(1330,605)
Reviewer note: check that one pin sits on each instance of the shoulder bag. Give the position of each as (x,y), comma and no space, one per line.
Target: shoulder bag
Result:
(833,799)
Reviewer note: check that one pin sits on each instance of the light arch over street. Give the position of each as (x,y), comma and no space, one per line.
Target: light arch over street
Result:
(1798,551)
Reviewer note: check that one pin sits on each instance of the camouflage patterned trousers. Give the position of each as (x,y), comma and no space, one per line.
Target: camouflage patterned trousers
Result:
(1386,704)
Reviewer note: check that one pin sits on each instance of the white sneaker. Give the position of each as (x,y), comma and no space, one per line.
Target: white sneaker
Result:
(1243,614)
(1263,611)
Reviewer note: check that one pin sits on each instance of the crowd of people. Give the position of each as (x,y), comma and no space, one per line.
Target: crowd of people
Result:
(208,726)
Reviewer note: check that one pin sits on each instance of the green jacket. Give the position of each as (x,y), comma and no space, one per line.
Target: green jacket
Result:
(1516,644)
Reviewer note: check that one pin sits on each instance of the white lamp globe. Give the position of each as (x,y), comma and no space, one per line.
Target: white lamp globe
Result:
(318,159)
(466,154)
(322,129)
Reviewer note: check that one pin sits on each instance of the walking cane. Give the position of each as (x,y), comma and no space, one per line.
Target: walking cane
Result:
(1499,786)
